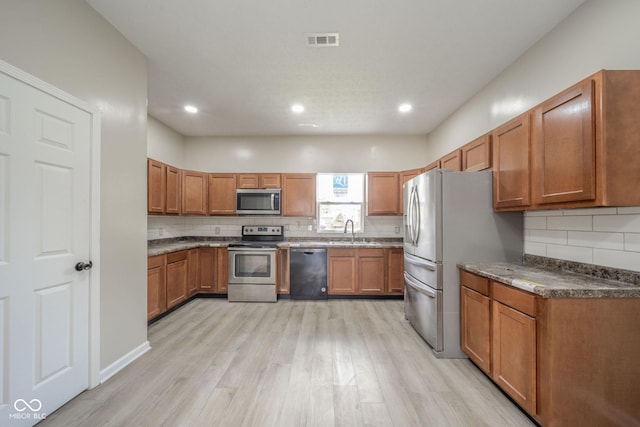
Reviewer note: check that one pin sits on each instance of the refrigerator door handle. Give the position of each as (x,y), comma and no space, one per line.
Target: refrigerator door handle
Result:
(419,261)
(422,288)
(416,208)
(410,222)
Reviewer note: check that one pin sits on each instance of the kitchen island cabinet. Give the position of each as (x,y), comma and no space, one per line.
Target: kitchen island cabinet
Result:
(560,344)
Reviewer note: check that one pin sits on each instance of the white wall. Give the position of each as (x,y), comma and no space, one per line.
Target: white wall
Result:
(67,44)
(165,144)
(601,34)
(305,153)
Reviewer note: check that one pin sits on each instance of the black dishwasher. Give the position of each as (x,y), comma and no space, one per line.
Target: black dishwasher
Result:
(308,273)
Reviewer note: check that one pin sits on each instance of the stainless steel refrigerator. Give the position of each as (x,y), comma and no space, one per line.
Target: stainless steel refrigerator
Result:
(449,218)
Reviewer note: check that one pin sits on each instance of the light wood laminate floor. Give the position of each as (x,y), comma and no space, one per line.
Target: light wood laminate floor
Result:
(292,363)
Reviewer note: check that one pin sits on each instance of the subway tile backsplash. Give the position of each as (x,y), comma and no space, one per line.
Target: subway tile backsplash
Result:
(162,227)
(602,236)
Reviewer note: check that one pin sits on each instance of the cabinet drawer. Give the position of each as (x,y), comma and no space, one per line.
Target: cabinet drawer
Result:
(155,261)
(176,256)
(514,298)
(371,252)
(473,281)
(341,252)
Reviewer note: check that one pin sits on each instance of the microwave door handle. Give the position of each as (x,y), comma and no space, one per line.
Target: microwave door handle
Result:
(273,201)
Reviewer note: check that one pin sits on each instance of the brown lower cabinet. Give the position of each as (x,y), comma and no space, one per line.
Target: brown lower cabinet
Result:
(174,277)
(565,361)
(364,271)
(156,286)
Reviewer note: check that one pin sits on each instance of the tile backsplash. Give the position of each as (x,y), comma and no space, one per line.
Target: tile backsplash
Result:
(162,227)
(602,236)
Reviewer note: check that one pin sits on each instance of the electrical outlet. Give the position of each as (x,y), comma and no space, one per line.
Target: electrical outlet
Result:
(160,231)
(217,230)
(397,229)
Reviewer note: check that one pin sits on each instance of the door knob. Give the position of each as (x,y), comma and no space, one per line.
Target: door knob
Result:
(84,266)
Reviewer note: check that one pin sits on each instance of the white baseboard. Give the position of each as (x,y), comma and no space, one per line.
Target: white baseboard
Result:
(125,360)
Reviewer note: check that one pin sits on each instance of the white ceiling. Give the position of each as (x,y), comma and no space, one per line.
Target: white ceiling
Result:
(245,62)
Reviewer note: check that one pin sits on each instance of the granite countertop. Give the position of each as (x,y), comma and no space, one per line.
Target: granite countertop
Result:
(165,246)
(550,283)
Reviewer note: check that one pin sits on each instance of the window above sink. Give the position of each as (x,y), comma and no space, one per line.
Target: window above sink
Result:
(340,197)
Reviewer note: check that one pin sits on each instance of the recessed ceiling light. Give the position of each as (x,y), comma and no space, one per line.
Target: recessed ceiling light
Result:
(190,109)
(297,108)
(405,108)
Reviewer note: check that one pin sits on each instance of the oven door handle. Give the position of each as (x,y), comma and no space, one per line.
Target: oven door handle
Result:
(249,250)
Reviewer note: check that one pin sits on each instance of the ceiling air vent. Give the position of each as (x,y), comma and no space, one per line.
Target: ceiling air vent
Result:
(323,39)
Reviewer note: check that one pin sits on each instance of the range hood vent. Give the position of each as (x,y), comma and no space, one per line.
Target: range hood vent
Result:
(323,39)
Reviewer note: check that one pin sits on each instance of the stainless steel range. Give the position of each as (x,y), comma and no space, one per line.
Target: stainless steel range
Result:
(252,264)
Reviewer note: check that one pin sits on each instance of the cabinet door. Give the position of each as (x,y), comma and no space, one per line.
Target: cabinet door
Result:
(156,186)
(283,277)
(342,271)
(269,180)
(222,273)
(193,271)
(511,168)
(476,155)
(194,193)
(222,194)
(208,264)
(172,195)
(475,327)
(382,193)
(564,145)
(299,194)
(451,161)
(514,355)
(371,271)
(395,271)
(248,180)
(156,286)
(432,165)
(176,278)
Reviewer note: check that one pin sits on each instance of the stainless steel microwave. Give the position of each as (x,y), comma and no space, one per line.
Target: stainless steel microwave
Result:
(258,201)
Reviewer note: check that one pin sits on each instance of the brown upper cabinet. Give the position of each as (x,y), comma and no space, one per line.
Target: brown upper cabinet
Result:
(382,193)
(476,155)
(194,192)
(299,194)
(163,188)
(451,161)
(222,194)
(511,164)
(432,165)
(583,149)
(254,180)
(585,144)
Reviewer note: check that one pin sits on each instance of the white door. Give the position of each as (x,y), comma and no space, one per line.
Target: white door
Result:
(45,224)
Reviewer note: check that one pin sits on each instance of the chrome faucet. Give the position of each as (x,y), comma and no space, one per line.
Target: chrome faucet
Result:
(353,233)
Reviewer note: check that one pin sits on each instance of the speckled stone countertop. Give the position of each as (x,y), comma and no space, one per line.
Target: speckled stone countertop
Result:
(165,246)
(550,278)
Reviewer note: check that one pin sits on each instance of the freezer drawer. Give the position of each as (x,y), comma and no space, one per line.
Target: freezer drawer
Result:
(423,310)
(424,270)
